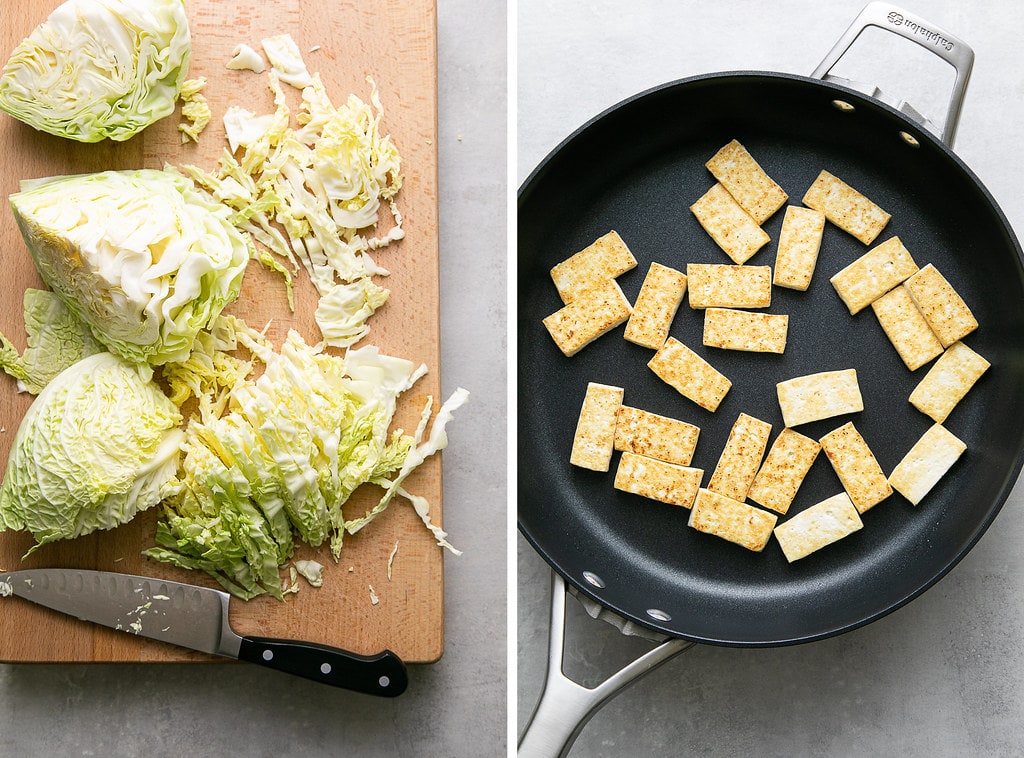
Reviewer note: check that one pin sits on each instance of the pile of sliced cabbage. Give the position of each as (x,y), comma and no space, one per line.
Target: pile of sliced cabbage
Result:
(140,267)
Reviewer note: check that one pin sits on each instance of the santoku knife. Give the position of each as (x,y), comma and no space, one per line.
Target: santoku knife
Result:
(197,618)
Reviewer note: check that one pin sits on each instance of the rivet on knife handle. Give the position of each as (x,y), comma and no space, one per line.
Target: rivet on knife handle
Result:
(381,674)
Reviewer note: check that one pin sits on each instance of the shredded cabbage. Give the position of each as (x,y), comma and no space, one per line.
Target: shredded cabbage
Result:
(99,69)
(283,452)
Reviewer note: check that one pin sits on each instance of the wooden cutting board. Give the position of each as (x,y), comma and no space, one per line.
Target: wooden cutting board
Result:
(395,43)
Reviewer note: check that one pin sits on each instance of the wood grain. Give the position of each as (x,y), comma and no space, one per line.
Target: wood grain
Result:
(395,43)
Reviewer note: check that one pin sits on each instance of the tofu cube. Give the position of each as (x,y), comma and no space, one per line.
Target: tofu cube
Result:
(926,462)
(740,457)
(845,207)
(942,307)
(605,258)
(948,381)
(645,433)
(655,307)
(591,314)
(799,243)
(856,467)
(814,397)
(691,376)
(594,439)
(732,520)
(658,480)
(729,225)
(730,329)
(783,471)
(718,285)
(822,524)
(873,274)
(906,328)
(742,176)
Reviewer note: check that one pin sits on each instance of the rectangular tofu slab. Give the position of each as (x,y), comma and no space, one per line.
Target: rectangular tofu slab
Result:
(814,397)
(605,258)
(755,192)
(730,329)
(787,463)
(942,307)
(906,328)
(873,274)
(846,207)
(820,525)
(720,285)
(691,376)
(799,243)
(594,439)
(926,462)
(655,307)
(645,433)
(591,314)
(948,381)
(729,225)
(740,457)
(658,480)
(856,467)
(732,520)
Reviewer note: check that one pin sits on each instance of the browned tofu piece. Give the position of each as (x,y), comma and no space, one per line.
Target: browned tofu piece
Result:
(926,463)
(755,192)
(856,467)
(799,243)
(655,307)
(820,525)
(906,328)
(729,225)
(942,307)
(591,314)
(692,376)
(873,274)
(740,457)
(787,463)
(649,434)
(814,397)
(720,285)
(658,480)
(845,207)
(730,329)
(594,439)
(732,520)
(948,381)
(605,258)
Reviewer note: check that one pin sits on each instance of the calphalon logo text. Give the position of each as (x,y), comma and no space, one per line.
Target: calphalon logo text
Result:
(898,19)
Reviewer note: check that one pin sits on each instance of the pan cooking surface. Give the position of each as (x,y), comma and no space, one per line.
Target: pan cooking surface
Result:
(636,169)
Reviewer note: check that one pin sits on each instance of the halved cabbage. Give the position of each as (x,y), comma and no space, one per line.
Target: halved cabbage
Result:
(99,444)
(142,257)
(99,69)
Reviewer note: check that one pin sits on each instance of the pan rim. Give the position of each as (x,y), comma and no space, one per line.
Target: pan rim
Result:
(1012,474)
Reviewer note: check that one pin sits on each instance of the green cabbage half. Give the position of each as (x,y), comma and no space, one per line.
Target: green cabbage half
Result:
(99,69)
(142,257)
(99,444)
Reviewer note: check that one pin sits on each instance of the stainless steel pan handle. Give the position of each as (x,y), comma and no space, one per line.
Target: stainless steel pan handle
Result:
(566,706)
(946,46)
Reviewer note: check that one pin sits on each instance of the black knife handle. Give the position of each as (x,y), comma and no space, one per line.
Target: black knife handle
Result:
(381,674)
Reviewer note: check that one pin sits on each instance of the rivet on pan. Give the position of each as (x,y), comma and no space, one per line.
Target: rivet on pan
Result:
(594,579)
(657,615)
(910,139)
(843,106)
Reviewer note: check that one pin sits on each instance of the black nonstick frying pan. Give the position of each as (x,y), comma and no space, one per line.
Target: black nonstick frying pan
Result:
(636,168)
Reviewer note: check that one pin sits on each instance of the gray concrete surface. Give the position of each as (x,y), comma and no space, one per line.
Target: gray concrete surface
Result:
(943,676)
(455,707)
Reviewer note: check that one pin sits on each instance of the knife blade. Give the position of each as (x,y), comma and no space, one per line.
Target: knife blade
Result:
(197,618)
